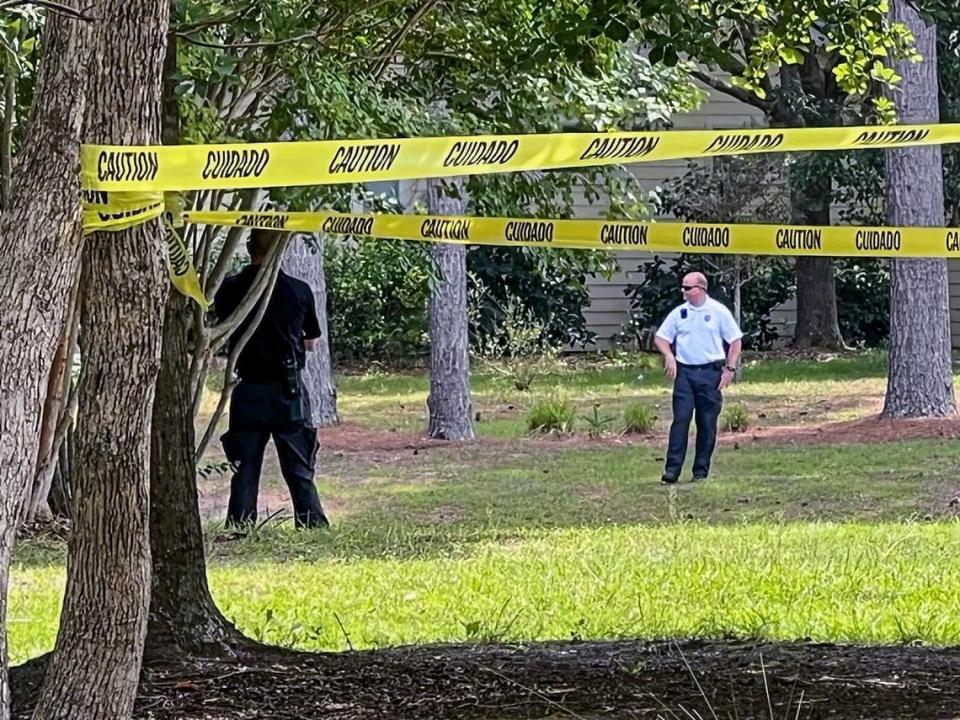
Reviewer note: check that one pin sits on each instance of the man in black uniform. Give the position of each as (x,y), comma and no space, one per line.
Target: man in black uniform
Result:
(270,399)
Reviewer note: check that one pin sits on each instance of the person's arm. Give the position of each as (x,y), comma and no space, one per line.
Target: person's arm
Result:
(666,334)
(311,323)
(669,361)
(733,336)
(730,369)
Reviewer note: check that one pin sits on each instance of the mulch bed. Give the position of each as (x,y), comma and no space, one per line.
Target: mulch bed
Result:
(615,679)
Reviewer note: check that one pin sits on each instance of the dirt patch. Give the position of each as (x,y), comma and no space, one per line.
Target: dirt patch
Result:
(873,429)
(619,679)
(352,437)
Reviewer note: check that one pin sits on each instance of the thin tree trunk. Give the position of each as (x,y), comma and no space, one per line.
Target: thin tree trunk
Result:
(6,135)
(449,407)
(818,325)
(920,380)
(95,667)
(56,413)
(40,244)
(306,263)
(183,616)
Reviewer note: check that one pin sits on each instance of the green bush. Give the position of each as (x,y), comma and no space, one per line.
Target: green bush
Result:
(638,418)
(736,418)
(377,298)
(553,413)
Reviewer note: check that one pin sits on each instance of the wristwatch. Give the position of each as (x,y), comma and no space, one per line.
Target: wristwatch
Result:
(731,368)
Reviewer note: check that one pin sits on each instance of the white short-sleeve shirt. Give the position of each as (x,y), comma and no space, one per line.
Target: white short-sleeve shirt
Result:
(699,332)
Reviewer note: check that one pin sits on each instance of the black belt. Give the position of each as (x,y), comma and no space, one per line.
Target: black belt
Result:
(716,365)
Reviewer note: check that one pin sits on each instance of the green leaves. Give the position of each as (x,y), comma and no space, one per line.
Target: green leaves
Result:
(747,41)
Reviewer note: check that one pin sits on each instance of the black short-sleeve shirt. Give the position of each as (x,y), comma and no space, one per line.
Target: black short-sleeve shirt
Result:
(290,318)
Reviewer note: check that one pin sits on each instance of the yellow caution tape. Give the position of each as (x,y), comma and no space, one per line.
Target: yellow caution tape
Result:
(118,211)
(112,212)
(613,235)
(183,274)
(196,167)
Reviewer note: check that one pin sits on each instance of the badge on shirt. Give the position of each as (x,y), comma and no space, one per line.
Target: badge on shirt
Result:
(706,318)
(683,313)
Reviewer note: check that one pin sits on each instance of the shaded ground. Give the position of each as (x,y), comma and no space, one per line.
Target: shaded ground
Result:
(617,679)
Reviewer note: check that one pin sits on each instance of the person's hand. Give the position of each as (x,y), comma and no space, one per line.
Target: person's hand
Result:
(726,377)
(670,368)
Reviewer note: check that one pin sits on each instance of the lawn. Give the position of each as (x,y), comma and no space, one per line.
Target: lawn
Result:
(516,537)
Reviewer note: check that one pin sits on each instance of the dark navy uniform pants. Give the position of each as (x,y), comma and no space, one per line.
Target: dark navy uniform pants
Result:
(257,413)
(695,395)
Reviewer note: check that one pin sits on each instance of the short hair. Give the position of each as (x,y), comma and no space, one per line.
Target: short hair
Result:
(260,242)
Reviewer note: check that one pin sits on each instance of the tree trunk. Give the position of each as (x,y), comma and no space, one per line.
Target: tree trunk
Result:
(95,667)
(183,615)
(818,325)
(449,407)
(56,417)
(920,381)
(306,262)
(6,133)
(39,257)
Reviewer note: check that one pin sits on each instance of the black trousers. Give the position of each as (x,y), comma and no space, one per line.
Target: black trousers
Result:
(253,421)
(695,395)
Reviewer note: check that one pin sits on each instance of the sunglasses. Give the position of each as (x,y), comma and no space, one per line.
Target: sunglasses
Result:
(688,288)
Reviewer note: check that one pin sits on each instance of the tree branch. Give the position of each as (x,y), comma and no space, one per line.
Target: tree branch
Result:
(315,36)
(727,89)
(383,62)
(52,6)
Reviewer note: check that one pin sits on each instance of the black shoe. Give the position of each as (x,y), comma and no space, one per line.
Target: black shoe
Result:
(667,480)
(699,478)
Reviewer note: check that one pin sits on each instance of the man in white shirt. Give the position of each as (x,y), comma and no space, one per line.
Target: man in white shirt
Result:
(691,340)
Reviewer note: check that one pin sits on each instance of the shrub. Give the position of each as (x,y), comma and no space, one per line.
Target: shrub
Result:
(553,413)
(736,418)
(638,418)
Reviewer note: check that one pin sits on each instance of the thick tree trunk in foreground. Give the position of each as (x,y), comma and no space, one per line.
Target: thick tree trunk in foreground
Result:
(183,615)
(95,668)
(920,380)
(449,407)
(39,257)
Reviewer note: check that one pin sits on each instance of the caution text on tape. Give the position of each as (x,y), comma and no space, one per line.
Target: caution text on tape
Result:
(745,239)
(196,167)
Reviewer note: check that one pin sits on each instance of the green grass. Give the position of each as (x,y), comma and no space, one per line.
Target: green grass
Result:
(826,582)
(834,388)
(518,538)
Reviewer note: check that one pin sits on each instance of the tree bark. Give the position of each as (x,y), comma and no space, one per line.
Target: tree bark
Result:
(449,407)
(6,134)
(56,415)
(818,324)
(920,380)
(95,668)
(40,240)
(183,617)
(306,263)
